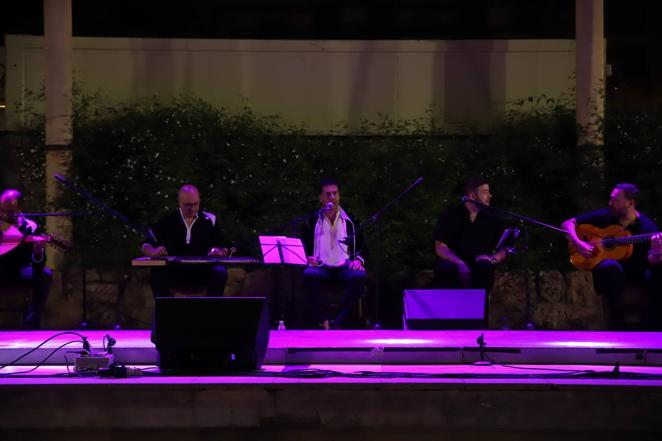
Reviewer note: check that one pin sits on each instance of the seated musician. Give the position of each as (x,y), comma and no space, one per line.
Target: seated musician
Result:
(465,239)
(187,231)
(329,259)
(610,276)
(26,263)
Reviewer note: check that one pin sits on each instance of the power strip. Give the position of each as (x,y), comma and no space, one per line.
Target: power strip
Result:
(92,363)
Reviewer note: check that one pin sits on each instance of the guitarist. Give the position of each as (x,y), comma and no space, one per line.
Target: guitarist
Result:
(25,264)
(611,276)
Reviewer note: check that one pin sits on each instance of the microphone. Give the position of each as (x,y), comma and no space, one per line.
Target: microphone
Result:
(110,342)
(327,207)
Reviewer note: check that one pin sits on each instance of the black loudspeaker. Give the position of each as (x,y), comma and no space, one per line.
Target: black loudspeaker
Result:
(211,334)
(445,309)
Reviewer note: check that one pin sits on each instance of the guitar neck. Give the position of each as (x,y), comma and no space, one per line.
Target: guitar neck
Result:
(46,238)
(54,240)
(629,240)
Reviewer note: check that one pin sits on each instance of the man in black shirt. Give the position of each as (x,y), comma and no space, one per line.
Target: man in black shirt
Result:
(25,263)
(465,241)
(187,231)
(611,276)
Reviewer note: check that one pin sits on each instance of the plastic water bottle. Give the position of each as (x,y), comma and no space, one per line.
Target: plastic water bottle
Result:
(281,325)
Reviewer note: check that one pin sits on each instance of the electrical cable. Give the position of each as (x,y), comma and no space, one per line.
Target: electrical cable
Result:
(86,346)
(41,362)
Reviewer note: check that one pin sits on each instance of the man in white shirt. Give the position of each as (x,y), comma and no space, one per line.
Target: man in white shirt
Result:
(333,249)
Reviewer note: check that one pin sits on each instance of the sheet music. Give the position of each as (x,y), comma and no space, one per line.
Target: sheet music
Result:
(283,250)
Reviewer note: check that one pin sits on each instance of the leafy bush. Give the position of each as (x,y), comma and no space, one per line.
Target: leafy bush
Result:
(257,173)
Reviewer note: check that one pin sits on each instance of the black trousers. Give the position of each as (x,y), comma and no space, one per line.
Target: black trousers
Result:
(213,277)
(610,278)
(41,279)
(353,281)
(447,276)
(655,306)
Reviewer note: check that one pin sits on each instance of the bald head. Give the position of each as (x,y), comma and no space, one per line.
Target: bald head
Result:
(10,205)
(10,195)
(188,199)
(189,188)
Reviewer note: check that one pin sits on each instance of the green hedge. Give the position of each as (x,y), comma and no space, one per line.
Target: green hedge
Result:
(257,173)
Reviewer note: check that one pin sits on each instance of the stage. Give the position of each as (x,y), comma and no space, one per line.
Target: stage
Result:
(389,347)
(356,384)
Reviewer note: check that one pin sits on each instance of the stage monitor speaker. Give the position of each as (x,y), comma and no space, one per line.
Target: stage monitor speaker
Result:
(210,334)
(445,309)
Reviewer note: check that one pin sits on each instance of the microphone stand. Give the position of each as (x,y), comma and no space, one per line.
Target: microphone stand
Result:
(58,214)
(374,220)
(83,324)
(145,231)
(298,220)
(286,228)
(140,229)
(524,221)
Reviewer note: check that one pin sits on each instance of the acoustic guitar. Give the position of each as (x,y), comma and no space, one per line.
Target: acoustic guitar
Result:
(612,242)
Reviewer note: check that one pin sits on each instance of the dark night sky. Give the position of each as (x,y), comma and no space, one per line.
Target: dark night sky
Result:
(634,35)
(336,19)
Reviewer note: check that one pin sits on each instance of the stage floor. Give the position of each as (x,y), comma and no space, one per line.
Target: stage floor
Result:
(363,385)
(378,347)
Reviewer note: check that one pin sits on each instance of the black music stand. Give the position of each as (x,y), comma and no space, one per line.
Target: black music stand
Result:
(282,251)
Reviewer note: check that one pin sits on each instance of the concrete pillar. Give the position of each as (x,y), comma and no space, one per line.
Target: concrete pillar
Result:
(59,73)
(590,82)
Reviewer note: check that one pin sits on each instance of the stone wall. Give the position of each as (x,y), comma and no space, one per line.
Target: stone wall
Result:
(558,301)
(123,297)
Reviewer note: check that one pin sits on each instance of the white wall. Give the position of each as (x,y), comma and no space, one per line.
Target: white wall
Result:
(320,83)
